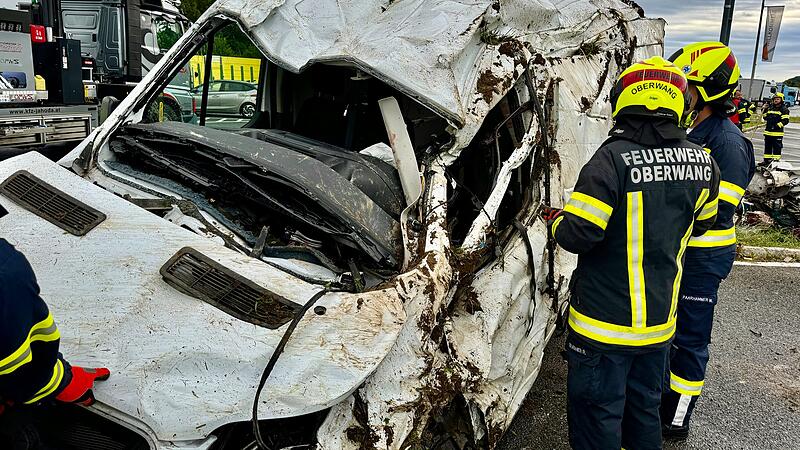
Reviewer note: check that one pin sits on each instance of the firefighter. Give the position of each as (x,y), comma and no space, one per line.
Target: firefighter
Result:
(745,111)
(31,368)
(738,109)
(712,72)
(636,203)
(776,117)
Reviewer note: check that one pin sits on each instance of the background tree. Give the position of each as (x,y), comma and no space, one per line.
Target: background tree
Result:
(229,41)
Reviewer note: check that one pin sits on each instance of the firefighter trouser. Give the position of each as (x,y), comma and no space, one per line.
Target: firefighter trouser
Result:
(612,398)
(703,272)
(772,148)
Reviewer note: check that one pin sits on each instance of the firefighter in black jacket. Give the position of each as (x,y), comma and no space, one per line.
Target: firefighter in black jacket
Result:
(635,205)
(31,368)
(712,72)
(776,117)
(744,109)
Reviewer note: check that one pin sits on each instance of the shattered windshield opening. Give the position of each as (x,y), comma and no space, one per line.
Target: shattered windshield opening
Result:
(281,166)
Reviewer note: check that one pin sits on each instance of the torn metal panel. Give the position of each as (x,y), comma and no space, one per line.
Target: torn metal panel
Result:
(181,366)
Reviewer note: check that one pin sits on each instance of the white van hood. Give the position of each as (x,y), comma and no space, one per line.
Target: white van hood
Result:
(171,352)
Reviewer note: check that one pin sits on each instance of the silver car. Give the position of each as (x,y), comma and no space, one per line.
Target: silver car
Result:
(229,97)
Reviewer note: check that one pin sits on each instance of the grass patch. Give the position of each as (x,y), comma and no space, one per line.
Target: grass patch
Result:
(794,119)
(762,236)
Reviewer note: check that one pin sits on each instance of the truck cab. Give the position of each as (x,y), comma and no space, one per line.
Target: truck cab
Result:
(125,39)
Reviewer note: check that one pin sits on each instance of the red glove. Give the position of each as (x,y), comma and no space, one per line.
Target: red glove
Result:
(550,214)
(79,389)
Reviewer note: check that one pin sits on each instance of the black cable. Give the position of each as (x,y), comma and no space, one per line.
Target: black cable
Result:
(274,359)
(532,264)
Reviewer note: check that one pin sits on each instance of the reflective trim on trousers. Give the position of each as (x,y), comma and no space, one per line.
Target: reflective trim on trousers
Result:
(685,387)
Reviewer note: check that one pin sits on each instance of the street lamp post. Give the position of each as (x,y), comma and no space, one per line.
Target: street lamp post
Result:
(755,53)
(727,20)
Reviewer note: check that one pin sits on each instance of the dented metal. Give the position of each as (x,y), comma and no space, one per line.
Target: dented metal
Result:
(458,332)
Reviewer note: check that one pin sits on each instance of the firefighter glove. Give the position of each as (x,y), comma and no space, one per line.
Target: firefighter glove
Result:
(79,388)
(550,214)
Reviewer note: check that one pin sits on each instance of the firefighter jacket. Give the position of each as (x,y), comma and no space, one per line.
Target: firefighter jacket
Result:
(745,111)
(775,119)
(31,367)
(733,153)
(634,207)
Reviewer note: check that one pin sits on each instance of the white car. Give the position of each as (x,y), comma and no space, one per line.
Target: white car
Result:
(372,237)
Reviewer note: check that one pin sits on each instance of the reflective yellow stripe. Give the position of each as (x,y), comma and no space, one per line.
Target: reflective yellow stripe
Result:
(771,156)
(704,193)
(589,208)
(52,385)
(710,209)
(636,286)
(772,112)
(684,386)
(785,116)
(673,311)
(715,238)
(45,331)
(610,333)
(730,193)
(773,133)
(556,223)
(707,150)
(742,110)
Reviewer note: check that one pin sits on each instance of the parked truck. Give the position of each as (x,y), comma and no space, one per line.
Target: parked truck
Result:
(121,41)
(59,60)
(42,96)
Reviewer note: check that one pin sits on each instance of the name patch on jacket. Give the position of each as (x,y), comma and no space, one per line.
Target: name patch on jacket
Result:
(667,164)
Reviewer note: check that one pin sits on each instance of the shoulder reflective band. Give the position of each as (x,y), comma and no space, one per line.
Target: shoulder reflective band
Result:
(610,333)
(715,238)
(52,385)
(710,209)
(556,223)
(773,133)
(685,387)
(730,192)
(589,208)
(45,330)
(635,250)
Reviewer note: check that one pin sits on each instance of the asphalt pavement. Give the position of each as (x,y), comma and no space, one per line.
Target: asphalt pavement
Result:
(791,141)
(751,399)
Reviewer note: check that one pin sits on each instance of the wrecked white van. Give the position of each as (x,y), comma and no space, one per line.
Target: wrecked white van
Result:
(371,235)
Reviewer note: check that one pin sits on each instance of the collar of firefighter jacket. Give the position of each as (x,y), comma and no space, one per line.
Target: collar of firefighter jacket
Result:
(699,134)
(646,131)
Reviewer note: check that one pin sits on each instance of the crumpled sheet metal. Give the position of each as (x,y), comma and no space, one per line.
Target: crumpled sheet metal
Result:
(438,43)
(181,368)
(493,333)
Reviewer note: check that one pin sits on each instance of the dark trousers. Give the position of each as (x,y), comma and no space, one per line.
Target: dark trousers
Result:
(772,148)
(683,383)
(613,398)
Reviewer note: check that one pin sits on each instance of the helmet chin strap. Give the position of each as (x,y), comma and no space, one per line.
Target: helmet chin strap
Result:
(688,118)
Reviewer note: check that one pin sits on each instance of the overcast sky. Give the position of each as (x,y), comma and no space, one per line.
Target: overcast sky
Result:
(700,20)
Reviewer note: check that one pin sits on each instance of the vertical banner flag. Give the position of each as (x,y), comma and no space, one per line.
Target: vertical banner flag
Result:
(774,16)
